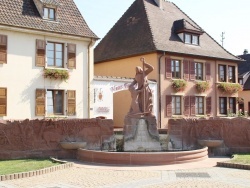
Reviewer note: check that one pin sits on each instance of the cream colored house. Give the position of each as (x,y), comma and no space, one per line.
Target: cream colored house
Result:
(179,49)
(39,38)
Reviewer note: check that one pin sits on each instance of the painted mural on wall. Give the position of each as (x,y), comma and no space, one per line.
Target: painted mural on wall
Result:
(235,133)
(32,136)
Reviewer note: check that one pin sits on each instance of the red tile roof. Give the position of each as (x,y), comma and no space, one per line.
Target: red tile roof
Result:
(145,28)
(24,14)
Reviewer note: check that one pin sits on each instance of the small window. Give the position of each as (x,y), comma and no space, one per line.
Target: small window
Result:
(223,105)
(222,73)
(187,38)
(55,102)
(49,13)
(199,105)
(176,68)
(232,105)
(191,39)
(195,40)
(176,105)
(199,71)
(241,81)
(54,54)
(231,74)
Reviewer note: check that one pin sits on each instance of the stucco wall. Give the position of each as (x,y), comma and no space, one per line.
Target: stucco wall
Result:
(21,77)
(246,96)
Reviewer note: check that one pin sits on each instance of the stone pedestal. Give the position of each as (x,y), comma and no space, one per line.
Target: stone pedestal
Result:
(141,134)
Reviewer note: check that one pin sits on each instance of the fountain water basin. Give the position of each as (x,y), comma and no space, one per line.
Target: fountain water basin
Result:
(210,143)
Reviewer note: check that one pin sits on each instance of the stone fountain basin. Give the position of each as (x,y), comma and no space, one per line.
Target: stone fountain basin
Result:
(210,143)
(73,145)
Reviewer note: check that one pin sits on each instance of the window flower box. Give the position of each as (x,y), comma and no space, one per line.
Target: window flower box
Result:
(202,86)
(230,88)
(56,73)
(179,85)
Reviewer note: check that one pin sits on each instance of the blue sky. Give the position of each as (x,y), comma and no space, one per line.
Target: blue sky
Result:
(214,16)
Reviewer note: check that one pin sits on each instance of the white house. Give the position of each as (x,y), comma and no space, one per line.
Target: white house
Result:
(39,38)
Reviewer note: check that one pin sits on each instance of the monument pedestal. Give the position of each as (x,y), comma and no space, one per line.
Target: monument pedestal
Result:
(141,134)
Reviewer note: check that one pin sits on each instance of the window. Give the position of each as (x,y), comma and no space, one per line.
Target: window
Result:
(222,73)
(231,74)
(55,102)
(199,105)
(191,39)
(176,68)
(232,105)
(199,71)
(222,105)
(54,54)
(49,13)
(3,101)
(176,105)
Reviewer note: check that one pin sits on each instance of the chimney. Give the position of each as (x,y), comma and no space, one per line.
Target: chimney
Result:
(159,3)
(245,52)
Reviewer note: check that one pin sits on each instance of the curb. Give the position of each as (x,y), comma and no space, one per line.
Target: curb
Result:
(233,165)
(35,172)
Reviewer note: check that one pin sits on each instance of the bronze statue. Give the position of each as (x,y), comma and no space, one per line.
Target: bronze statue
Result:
(142,103)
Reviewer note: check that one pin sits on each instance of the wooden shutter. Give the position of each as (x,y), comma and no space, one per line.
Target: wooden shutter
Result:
(71,102)
(40,102)
(208,71)
(168,68)
(208,105)
(192,105)
(186,105)
(169,105)
(186,69)
(3,49)
(71,56)
(40,53)
(3,101)
(192,70)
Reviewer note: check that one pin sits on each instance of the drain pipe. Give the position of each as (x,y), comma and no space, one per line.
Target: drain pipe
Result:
(159,87)
(90,44)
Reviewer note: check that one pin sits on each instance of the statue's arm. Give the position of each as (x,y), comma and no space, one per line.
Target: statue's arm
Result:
(149,67)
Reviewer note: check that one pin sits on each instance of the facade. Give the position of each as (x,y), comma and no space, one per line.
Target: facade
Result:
(46,60)
(244,79)
(180,51)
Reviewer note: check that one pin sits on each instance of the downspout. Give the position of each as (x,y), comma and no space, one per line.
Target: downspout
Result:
(90,44)
(159,87)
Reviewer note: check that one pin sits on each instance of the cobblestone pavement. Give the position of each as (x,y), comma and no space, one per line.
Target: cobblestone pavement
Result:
(91,176)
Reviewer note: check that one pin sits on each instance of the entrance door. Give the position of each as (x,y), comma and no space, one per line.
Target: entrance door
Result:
(249,108)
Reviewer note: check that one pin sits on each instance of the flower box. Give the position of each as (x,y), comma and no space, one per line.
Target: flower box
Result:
(229,88)
(202,86)
(56,73)
(179,85)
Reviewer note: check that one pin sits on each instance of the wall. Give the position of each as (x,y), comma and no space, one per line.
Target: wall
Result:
(246,96)
(22,77)
(41,138)
(235,133)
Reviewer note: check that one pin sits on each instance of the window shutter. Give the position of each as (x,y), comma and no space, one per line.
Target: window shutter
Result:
(3,101)
(169,105)
(187,106)
(208,105)
(40,102)
(168,68)
(192,105)
(192,70)
(186,69)
(71,56)
(40,53)
(208,71)
(3,49)
(71,103)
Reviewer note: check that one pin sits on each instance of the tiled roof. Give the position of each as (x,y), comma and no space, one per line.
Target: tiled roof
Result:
(146,28)
(24,14)
(50,2)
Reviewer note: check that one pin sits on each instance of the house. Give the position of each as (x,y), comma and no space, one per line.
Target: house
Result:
(244,80)
(46,60)
(181,53)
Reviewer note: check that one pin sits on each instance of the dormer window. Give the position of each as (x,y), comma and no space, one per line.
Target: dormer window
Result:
(49,13)
(191,39)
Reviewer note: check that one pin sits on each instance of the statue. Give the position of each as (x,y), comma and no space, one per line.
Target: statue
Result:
(142,104)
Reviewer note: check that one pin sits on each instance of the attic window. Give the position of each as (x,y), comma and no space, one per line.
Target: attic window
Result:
(49,13)
(191,39)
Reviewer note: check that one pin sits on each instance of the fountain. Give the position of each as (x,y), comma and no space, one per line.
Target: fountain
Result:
(141,141)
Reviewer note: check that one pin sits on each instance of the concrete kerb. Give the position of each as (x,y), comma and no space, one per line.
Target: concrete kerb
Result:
(62,166)
(227,164)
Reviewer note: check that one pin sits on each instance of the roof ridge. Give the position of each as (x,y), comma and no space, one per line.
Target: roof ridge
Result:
(149,23)
(206,33)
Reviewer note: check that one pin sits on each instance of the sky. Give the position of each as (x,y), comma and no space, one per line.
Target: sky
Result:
(214,16)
